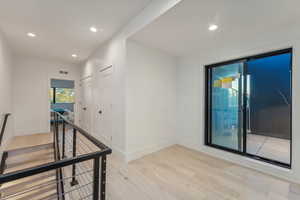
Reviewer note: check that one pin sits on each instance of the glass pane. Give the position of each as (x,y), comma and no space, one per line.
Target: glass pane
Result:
(51,95)
(226,101)
(65,95)
(269,107)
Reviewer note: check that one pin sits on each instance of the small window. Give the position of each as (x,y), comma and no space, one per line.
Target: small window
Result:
(62,95)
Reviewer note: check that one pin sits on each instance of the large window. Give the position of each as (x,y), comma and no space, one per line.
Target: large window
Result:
(248,106)
(62,95)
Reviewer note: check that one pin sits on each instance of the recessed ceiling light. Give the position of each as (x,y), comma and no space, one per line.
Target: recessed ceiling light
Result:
(212,27)
(74,56)
(93,29)
(31,34)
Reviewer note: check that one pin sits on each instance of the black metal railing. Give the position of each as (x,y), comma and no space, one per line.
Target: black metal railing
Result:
(3,126)
(79,164)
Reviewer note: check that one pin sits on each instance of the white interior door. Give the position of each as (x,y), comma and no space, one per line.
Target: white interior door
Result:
(86,105)
(103,106)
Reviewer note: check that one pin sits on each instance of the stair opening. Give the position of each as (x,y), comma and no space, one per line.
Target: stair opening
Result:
(67,163)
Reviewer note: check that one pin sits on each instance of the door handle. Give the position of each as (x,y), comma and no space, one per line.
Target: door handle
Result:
(100,112)
(84,108)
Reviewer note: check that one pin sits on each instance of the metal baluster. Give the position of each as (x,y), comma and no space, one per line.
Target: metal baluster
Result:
(74,181)
(96,179)
(63,139)
(56,127)
(103,177)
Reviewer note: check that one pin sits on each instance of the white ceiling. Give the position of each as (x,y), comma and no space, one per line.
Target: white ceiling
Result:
(183,30)
(62,26)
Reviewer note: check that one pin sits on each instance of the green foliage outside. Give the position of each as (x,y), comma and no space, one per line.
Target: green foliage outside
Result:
(63,95)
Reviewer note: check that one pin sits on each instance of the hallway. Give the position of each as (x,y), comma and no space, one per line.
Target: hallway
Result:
(150,100)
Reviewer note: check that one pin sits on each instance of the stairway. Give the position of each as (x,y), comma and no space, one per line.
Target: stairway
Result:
(26,152)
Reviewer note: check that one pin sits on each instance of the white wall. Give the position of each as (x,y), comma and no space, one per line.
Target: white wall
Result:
(150,100)
(31,78)
(5,87)
(113,52)
(190,103)
(190,92)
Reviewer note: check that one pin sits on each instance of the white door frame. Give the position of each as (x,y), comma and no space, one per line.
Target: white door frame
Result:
(77,90)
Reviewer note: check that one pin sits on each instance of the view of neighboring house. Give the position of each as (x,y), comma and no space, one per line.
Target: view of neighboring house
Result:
(149,99)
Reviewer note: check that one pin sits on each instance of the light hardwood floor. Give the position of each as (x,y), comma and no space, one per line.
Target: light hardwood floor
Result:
(26,152)
(177,173)
(28,141)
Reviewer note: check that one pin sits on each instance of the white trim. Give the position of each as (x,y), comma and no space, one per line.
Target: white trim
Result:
(130,156)
(119,154)
(105,68)
(266,168)
(86,77)
(260,166)
(76,103)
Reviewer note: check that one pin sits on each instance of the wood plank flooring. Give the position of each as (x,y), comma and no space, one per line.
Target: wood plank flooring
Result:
(26,152)
(28,141)
(177,173)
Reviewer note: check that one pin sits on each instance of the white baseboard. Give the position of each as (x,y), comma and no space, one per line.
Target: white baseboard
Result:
(147,150)
(261,166)
(120,154)
(115,150)
(190,144)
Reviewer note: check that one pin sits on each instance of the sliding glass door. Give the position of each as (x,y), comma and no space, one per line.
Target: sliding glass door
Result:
(248,106)
(226,104)
(269,129)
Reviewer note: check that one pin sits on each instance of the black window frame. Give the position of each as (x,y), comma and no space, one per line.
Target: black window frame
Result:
(54,95)
(207,129)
